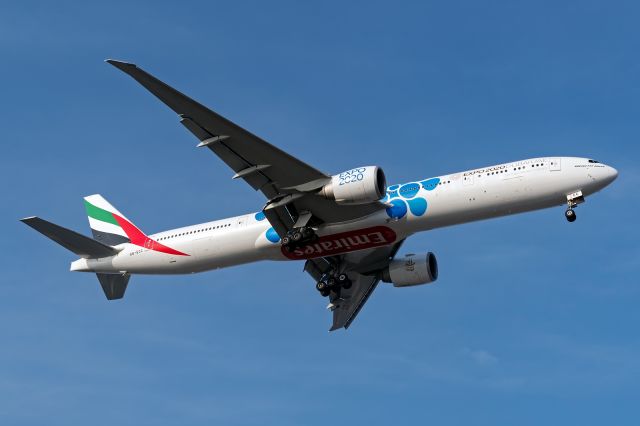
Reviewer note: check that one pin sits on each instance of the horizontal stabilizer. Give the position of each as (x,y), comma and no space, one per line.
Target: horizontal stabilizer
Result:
(79,244)
(114,285)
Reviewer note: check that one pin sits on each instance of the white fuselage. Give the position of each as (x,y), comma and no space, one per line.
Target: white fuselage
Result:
(451,199)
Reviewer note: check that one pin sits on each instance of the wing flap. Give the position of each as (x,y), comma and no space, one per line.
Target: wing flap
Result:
(350,305)
(193,127)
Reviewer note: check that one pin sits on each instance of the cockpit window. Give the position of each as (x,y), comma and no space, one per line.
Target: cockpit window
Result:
(593,161)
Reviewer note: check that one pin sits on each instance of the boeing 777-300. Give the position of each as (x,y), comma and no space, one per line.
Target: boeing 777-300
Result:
(347,227)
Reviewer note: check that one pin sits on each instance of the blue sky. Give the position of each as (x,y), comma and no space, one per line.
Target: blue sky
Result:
(532,319)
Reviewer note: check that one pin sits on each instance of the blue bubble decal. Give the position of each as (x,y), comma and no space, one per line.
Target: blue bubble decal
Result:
(418,206)
(272,235)
(260,216)
(430,184)
(398,209)
(409,190)
(403,198)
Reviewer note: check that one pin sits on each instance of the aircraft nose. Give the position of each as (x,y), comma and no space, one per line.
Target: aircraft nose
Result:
(610,175)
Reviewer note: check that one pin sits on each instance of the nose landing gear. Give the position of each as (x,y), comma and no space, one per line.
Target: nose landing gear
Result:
(570,214)
(573,200)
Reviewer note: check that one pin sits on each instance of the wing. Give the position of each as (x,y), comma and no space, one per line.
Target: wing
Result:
(363,268)
(287,182)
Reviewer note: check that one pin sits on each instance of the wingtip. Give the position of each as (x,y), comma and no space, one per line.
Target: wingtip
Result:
(120,64)
(28,219)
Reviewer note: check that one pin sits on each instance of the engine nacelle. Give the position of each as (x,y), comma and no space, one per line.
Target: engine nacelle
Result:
(412,269)
(356,186)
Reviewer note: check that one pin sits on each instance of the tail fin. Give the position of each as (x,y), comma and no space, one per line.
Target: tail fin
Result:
(71,240)
(108,225)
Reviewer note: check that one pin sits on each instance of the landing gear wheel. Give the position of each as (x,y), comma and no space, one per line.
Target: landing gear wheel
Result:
(307,233)
(570,215)
(343,281)
(323,288)
(296,236)
(286,240)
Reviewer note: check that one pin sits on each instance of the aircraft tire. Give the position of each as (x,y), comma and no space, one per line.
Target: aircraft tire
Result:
(344,281)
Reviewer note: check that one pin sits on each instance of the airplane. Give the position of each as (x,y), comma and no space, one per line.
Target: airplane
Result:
(347,227)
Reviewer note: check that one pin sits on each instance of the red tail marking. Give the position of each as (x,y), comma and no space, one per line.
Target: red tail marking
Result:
(138,238)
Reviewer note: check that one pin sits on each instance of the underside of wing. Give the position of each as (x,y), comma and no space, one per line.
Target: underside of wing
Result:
(289,184)
(262,165)
(363,269)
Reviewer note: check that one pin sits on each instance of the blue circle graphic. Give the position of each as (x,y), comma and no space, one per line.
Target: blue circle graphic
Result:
(260,216)
(418,206)
(409,190)
(272,235)
(430,184)
(398,209)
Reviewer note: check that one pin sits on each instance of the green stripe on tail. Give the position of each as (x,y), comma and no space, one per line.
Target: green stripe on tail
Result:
(100,214)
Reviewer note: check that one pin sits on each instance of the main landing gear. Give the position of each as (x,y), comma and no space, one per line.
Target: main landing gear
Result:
(298,237)
(333,283)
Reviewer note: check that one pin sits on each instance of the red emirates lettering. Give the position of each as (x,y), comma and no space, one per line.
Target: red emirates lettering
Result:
(344,242)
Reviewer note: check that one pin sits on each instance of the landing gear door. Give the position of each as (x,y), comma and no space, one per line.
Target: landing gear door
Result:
(555,164)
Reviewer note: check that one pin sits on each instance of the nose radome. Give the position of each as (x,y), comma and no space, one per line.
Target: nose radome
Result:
(610,175)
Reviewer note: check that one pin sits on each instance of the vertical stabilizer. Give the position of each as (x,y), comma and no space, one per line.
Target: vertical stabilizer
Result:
(108,225)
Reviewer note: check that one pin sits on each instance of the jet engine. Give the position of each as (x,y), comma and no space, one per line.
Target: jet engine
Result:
(412,269)
(356,186)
